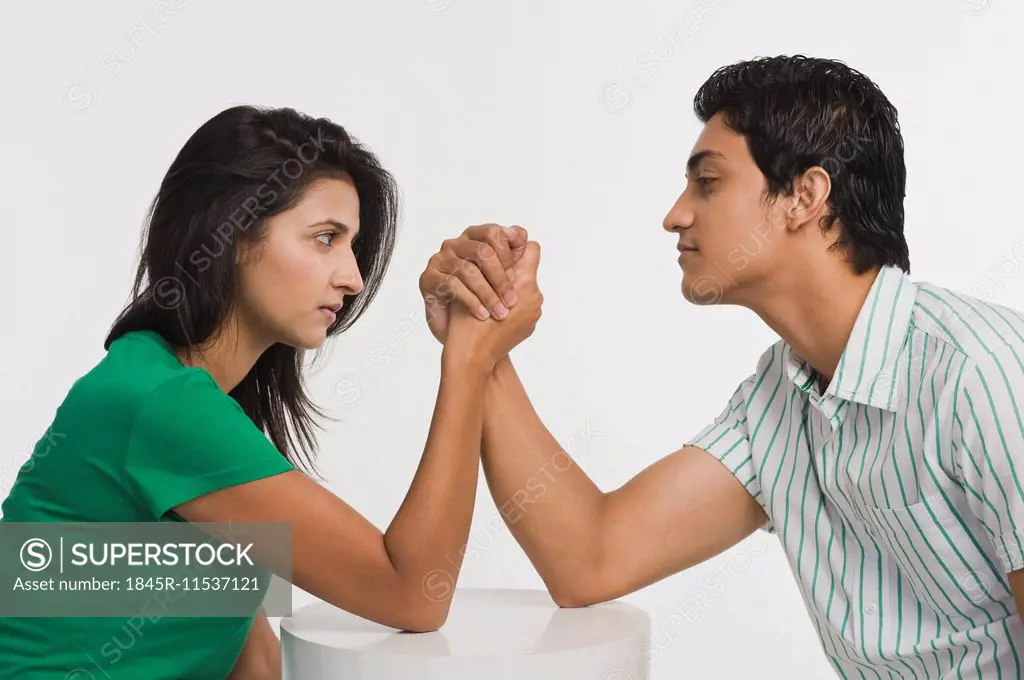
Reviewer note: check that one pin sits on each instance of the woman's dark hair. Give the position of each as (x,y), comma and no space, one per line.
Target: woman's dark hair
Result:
(240,168)
(798,112)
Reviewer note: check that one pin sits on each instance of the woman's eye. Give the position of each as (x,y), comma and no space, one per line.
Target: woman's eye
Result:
(705,181)
(328,235)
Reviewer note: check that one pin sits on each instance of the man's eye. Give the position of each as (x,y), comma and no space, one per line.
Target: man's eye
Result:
(704,185)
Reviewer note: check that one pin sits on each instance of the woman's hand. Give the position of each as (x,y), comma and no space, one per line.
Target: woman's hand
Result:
(485,342)
(404,577)
(260,658)
(476,269)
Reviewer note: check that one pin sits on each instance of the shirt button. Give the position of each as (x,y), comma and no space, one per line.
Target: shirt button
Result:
(870,608)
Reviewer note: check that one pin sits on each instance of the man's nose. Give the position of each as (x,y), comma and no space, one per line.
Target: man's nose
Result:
(679,217)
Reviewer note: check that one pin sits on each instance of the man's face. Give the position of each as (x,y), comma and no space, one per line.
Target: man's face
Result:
(730,237)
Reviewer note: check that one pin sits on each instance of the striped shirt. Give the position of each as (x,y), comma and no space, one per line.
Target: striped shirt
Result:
(897,493)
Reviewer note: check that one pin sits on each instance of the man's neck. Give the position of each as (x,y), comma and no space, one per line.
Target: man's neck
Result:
(814,311)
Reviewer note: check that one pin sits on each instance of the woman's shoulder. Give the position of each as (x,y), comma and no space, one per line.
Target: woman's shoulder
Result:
(137,366)
(138,393)
(139,375)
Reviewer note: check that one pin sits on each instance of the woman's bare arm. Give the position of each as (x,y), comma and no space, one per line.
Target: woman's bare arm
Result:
(403,577)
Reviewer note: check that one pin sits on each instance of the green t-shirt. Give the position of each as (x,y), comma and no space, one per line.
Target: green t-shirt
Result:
(137,435)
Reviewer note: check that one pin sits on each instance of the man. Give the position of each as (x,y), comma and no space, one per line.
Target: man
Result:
(878,439)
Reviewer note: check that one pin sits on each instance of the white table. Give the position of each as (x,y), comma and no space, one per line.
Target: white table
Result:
(500,634)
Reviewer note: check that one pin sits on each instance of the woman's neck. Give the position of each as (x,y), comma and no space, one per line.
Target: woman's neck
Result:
(228,356)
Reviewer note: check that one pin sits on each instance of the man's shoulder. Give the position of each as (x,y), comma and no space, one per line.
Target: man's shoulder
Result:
(773,359)
(769,372)
(973,326)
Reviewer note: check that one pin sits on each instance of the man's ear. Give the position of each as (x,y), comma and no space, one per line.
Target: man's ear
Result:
(809,202)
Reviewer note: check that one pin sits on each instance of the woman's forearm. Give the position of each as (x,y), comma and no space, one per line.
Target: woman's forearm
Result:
(426,540)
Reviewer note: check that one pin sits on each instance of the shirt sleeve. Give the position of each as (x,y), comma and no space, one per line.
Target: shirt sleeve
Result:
(727,439)
(990,419)
(191,438)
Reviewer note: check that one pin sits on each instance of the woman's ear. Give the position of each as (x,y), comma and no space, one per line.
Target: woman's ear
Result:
(248,252)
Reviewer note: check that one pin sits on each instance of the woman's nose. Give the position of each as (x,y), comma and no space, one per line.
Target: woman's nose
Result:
(347,277)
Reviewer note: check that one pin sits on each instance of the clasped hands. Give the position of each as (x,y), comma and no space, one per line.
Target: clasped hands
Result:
(480,292)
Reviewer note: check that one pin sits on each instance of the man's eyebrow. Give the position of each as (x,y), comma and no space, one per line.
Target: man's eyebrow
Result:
(699,157)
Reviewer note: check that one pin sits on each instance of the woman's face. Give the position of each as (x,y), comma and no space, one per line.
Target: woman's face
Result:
(304,267)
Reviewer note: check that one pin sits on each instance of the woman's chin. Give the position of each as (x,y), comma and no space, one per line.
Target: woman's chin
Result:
(307,339)
(315,342)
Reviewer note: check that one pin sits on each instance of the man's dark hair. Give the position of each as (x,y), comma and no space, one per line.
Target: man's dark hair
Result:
(798,112)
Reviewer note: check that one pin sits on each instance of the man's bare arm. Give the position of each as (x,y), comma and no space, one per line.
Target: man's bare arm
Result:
(589,546)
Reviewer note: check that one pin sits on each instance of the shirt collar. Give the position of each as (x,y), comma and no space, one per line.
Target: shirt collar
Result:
(865,370)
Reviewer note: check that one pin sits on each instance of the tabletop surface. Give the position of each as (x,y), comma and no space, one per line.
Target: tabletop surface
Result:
(481,622)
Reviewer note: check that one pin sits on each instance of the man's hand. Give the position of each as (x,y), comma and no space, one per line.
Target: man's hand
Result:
(1017,588)
(490,340)
(475,268)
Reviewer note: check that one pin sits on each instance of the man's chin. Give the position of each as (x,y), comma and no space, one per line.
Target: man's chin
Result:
(703,289)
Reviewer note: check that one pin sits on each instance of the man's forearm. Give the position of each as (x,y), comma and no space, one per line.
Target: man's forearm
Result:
(549,504)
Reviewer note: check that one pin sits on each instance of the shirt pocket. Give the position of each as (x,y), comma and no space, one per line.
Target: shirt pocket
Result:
(941,551)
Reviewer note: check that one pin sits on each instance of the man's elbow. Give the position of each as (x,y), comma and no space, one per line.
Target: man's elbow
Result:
(582,581)
(573,593)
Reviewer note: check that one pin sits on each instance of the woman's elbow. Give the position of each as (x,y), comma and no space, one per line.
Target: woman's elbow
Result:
(422,626)
(572,599)
(427,621)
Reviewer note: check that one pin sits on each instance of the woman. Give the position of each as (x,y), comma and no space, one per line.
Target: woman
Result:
(270,233)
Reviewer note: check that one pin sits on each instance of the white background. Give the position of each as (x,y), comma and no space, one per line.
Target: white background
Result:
(571,118)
